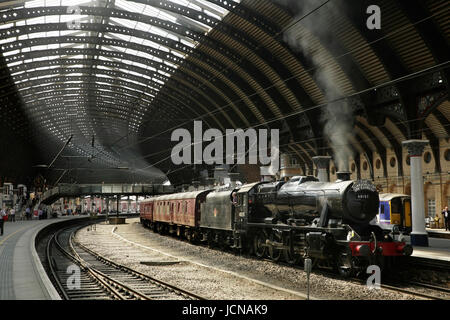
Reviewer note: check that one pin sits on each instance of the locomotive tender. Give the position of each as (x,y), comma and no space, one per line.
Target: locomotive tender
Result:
(329,222)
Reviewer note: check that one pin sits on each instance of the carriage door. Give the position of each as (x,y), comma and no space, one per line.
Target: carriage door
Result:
(396,211)
(406,213)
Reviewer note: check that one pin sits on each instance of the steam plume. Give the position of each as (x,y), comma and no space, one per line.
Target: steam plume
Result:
(337,116)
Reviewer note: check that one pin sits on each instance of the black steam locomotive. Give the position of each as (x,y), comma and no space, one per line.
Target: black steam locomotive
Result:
(327,222)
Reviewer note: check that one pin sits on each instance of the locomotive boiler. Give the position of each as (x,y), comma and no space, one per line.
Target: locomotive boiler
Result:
(305,200)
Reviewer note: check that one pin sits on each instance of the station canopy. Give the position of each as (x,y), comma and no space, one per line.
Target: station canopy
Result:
(112,79)
(91,69)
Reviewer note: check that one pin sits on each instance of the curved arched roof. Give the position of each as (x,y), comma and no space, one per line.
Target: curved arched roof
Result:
(128,72)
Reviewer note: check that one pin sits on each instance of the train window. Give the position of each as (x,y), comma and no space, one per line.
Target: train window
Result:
(378,164)
(382,209)
(353,167)
(185,207)
(396,205)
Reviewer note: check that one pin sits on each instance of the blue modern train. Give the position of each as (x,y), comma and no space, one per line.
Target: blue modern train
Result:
(395,209)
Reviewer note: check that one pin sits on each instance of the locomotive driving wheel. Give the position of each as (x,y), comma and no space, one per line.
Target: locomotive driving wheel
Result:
(259,244)
(345,265)
(290,256)
(274,253)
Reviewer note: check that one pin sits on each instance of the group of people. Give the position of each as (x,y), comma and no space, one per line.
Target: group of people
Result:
(9,214)
(5,214)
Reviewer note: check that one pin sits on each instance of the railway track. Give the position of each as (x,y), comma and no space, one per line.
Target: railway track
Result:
(403,287)
(101,278)
(415,288)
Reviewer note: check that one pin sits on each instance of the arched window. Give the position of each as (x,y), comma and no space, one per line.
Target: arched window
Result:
(392,162)
(447,155)
(427,157)
(378,164)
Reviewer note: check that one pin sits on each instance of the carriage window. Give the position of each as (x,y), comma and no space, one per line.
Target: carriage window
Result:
(382,209)
(185,207)
(396,205)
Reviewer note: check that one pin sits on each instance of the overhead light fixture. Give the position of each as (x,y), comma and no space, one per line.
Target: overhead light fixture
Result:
(40,166)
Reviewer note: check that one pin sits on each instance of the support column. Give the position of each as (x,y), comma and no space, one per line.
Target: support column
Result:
(137,204)
(419,235)
(322,163)
(118,204)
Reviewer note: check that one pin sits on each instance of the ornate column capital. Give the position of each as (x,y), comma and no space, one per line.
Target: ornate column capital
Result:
(322,162)
(415,147)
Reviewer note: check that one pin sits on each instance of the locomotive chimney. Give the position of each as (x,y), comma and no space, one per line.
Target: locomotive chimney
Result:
(343,175)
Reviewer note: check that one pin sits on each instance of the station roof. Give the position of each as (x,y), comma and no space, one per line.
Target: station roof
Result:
(119,76)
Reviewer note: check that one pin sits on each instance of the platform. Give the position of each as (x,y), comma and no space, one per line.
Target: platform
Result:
(438,233)
(22,276)
(438,249)
(432,253)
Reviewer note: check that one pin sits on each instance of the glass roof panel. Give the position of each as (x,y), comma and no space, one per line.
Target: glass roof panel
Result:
(48,54)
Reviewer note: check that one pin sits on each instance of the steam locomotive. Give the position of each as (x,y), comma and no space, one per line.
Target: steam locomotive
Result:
(329,222)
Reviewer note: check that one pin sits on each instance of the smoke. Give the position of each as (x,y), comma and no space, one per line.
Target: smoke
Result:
(304,37)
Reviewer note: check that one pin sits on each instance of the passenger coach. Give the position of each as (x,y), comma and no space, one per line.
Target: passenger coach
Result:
(175,213)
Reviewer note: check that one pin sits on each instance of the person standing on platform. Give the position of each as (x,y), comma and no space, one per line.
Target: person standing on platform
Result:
(28,212)
(446,214)
(2,220)
(12,214)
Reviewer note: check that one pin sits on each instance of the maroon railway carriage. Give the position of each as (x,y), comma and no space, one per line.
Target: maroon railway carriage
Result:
(146,212)
(179,212)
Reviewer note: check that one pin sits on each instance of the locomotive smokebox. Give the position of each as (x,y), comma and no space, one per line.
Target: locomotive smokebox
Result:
(343,175)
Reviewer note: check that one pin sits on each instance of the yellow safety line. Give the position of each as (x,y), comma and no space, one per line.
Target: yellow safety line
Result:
(1,242)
